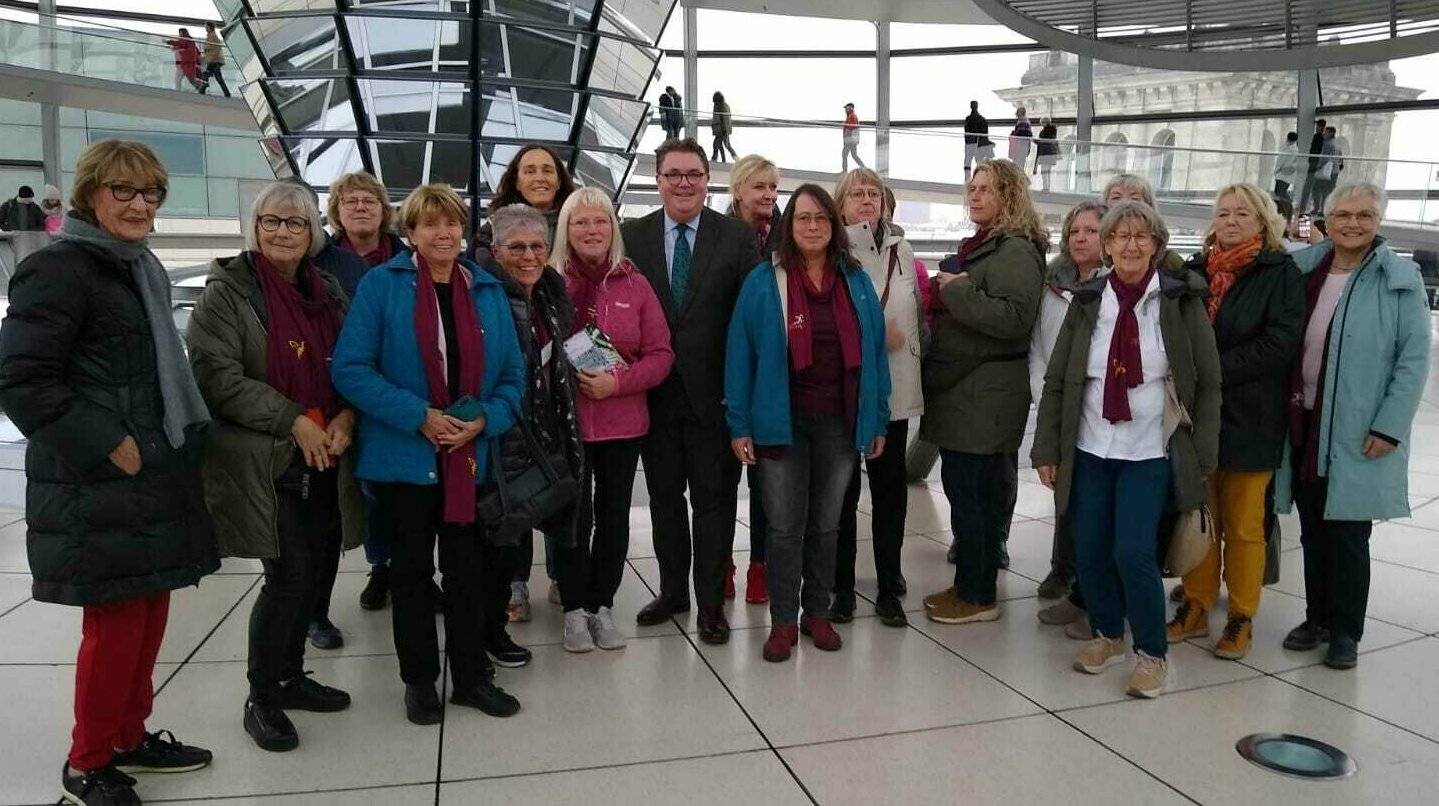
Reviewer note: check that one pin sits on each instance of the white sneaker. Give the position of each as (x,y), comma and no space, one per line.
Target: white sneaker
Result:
(553,597)
(577,632)
(606,634)
(1147,679)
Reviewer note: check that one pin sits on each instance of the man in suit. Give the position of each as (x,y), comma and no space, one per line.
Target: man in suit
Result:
(695,258)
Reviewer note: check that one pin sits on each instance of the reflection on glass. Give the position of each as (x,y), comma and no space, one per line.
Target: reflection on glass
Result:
(400,165)
(297,44)
(577,13)
(318,104)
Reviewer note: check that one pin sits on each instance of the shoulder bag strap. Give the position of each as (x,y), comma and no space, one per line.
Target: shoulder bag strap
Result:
(889,275)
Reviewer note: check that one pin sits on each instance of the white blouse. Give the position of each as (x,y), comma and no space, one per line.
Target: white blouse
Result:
(1142,436)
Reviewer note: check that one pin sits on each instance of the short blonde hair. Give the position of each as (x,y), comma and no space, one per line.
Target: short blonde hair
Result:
(1017,215)
(429,200)
(1129,210)
(280,193)
(595,199)
(853,178)
(1263,206)
(111,160)
(363,182)
(745,169)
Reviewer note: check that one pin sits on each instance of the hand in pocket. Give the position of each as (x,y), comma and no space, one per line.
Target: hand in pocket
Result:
(126,456)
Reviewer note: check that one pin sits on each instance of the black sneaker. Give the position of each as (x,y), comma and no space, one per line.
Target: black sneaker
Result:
(106,786)
(1004,554)
(901,586)
(325,635)
(952,556)
(162,752)
(377,590)
(422,705)
(505,652)
(1343,652)
(269,727)
(1305,637)
(488,697)
(890,611)
(841,609)
(302,693)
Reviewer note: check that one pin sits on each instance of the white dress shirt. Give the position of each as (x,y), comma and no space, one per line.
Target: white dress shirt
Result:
(1142,436)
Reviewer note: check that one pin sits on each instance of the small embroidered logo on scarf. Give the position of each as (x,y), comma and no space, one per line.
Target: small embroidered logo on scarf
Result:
(474,469)
(797,322)
(298,347)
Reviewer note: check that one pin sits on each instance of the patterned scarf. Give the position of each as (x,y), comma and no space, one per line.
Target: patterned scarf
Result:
(300,337)
(1126,369)
(1224,267)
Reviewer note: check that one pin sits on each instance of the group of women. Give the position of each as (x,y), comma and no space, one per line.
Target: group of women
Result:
(358,388)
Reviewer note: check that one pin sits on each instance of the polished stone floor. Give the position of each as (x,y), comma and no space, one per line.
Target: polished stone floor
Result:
(988,713)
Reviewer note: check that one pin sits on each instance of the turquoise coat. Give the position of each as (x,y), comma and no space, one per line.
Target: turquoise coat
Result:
(1373,377)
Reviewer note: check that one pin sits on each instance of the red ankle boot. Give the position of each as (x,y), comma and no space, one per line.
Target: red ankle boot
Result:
(822,631)
(756,584)
(781,640)
(729,581)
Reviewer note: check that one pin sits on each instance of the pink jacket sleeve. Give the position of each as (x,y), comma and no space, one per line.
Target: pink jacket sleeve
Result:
(926,291)
(656,357)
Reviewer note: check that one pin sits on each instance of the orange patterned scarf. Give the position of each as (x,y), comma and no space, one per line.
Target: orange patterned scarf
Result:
(1224,267)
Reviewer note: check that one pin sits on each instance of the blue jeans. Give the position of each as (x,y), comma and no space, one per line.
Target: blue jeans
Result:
(1114,510)
(979,511)
(803,496)
(381,527)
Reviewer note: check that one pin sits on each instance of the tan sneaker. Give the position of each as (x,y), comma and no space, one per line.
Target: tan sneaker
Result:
(1100,654)
(946,596)
(1190,621)
(962,612)
(1238,635)
(1147,679)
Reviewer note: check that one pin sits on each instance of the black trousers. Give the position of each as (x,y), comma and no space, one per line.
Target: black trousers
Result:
(974,484)
(758,523)
(307,523)
(1336,563)
(890,495)
(591,571)
(215,72)
(681,452)
(475,576)
(1281,189)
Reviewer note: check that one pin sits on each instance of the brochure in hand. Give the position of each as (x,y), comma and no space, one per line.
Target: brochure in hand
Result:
(590,350)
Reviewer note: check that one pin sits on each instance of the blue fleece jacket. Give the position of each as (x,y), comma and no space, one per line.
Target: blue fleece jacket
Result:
(757,378)
(377,368)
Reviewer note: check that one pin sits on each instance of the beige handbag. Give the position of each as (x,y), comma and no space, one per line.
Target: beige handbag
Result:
(1193,529)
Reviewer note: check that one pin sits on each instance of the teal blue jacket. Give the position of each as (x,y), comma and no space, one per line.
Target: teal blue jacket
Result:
(1378,360)
(757,361)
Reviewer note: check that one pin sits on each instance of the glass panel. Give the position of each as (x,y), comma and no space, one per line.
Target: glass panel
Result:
(224,197)
(1120,89)
(557,12)
(611,122)
(322,160)
(450,163)
(543,114)
(321,104)
(23,112)
(1146,149)
(400,165)
(937,35)
(605,171)
(235,157)
(719,30)
(181,153)
(1397,80)
(189,196)
(282,6)
(20,143)
(542,55)
(389,43)
(407,106)
(1407,135)
(749,87)
(637,19)
(622,67)
(297,44)
(998,81)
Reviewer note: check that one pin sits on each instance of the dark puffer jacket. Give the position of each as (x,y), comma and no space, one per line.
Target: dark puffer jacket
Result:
(557,417)
(78,375)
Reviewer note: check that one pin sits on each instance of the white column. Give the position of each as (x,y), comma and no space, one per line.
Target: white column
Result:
(692,78)
(881,98)
(49,113)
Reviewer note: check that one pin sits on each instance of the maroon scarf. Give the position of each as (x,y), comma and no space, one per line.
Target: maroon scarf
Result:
(1125,369)
(301,333)
(801,336)
(380,256)
(458,470)
(585,284)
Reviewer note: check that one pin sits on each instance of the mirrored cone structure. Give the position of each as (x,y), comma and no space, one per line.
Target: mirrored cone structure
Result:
(419,91)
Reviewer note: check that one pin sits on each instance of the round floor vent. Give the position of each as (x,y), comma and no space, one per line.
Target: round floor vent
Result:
(1297,756)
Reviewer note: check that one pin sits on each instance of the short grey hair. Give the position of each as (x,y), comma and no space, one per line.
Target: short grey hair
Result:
(1130,181)
(1140,212)
(284,193)
(517,218)
(1354,190)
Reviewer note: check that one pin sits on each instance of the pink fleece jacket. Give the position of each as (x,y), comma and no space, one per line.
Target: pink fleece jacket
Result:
(629,313)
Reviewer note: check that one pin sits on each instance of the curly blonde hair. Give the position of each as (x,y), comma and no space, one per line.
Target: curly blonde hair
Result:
(1271,222)
(1017,215)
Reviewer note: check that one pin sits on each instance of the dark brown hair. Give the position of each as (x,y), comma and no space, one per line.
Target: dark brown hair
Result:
(838,249)
(509,192)
(680,145)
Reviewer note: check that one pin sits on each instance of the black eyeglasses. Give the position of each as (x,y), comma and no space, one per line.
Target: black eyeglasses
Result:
(295,224)
(122,192)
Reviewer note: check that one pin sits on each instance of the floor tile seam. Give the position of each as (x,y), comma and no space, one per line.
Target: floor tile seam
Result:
(186,660)
(16,606)
(1387,623)
(1321,695)
(15,573)
(1418,636)
(734,698)
(1372,558)
(758,751)
(310,653)
(996,678)
(1127,700)
(912,731)
(444,720)
(252,796)
(1126,759)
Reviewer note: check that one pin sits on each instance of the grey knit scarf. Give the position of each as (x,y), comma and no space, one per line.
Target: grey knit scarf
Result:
(183,404)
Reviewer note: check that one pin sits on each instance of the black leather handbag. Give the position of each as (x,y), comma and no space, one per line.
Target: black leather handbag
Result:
(520,499)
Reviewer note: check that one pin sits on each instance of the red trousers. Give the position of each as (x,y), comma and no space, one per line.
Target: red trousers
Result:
(113,690)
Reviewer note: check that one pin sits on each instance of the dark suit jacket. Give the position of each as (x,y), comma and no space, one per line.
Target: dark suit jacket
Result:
(724,253)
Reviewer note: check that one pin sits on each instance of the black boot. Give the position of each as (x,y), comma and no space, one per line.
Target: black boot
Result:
(488,697)
(377,590)
(301,693)
(841,608)
(422,705)
(269,727)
